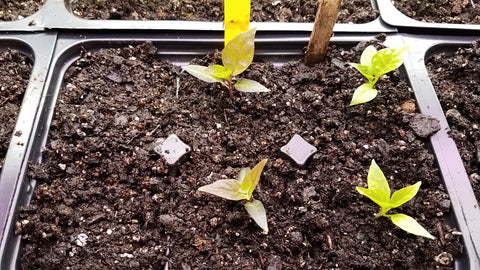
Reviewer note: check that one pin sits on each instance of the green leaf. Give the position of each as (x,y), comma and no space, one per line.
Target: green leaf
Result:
(377,196)
(257,212)
(365,70)
(376,179)
(405,194)
(251,179)
(246,85)
(363,93)
(228,189)
(242,173)
(410,225)
(199,73)
(238,53)
(218,71)
(387,60)
(367,54)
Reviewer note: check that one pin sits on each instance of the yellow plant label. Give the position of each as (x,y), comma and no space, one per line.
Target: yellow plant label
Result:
(237,18)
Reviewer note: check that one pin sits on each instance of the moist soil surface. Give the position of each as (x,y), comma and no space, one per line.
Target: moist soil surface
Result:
(456,80)
(15,71)
(18,9)
(354,11)
(441,11)
(105,200)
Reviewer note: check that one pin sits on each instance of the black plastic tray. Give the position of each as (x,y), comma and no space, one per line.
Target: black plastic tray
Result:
(55,14)
(179,49)
(393,17)
(13,185)
(464,203)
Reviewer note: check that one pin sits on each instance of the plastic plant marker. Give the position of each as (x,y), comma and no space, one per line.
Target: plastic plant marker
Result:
(237,18)
(298,150)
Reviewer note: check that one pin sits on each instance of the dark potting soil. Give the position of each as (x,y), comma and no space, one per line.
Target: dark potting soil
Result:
(18,9)
(105,200)
(354,11)
(441,11)
(15,70)
(456,80)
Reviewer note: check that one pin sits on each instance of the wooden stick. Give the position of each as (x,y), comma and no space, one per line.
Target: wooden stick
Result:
(322,31)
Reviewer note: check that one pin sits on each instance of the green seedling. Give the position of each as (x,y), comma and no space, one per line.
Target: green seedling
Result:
(379,191)
(242,189)
(236,57)
(373,64)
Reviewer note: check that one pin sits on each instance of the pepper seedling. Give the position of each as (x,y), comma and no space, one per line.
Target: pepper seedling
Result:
(236,57)
(379,192)
(373,64)
(242,189)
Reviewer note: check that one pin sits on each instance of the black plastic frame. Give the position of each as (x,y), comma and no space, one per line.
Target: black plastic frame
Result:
(393,17)
(55,14)
(13,185)
(179,48)
(465,205)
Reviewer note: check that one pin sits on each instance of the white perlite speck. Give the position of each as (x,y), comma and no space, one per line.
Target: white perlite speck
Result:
(81,240)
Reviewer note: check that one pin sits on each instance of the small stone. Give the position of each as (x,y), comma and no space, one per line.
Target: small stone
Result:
(444,258)
(213,222)
(118,60)
(455,117)
(172,150)
(298,150)
(274,263)
(424,125)
(296,237)
(475,178)
(408,106)
(116,77)
(308,192)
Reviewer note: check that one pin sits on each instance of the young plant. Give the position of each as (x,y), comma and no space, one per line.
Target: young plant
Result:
(242,189)
(236,57)
(373,64)
(379,191)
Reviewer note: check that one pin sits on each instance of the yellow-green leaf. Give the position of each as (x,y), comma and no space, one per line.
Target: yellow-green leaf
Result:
(218,71)
(364,69)
(199,73)
(242,173)
(405,194)
(238,53)
(251,179)
(376,179)
(410,225)
(228,189)
(363,93)
(246,85)
(367,54)
(377,196)
(387,60)
(257,211)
